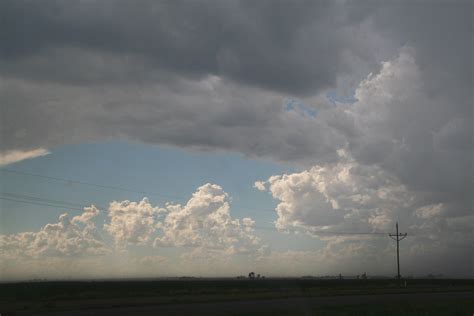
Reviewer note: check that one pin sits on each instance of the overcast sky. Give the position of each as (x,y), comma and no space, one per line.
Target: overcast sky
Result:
(241,131)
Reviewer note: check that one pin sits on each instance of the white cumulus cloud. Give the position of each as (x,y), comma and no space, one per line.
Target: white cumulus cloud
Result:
(205,222)
(335,195)
(12,156)
(68,237)
(132,222)
(259,185)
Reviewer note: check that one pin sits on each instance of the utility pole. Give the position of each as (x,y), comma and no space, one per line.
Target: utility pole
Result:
(397,237)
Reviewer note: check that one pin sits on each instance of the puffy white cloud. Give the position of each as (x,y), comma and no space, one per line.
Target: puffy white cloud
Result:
(132,222)
(12,156)
(248,222)
(205,222)
(337,195)
(259,185)
(68,237)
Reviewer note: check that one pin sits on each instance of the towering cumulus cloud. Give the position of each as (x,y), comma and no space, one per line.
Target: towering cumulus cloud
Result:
(203,228)
(344,195)
(394,167)
(132,222)
(205,222)
(77,236)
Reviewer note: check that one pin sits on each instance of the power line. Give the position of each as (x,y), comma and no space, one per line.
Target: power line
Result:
(326,232)
(49,205)
(348,233)
(64,204)
(73,181)
(44,200)
(116,188)
(38,203)
(20,198)
(397,237)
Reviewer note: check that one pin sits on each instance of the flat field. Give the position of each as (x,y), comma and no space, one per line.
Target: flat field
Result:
(272,296)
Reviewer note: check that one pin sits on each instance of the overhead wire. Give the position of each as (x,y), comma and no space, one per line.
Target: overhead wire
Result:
(45,200)
(34,200)
(38,203)
(42,202)
(73,181)
(116,188)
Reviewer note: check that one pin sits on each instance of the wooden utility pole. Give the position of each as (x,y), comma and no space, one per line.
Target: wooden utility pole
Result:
(397,237)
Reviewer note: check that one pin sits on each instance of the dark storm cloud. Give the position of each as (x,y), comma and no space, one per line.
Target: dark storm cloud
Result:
(54,54)
(289,46)
(93,66)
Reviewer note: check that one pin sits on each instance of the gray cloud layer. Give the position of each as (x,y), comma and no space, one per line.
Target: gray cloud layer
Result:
(267,44)
(112,53)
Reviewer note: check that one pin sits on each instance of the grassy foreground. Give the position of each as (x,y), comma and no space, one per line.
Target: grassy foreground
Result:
(76,295)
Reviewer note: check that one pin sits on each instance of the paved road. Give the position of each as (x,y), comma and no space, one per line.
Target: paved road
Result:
(297,306)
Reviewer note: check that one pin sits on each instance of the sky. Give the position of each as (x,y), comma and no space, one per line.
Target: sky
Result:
(215,138)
